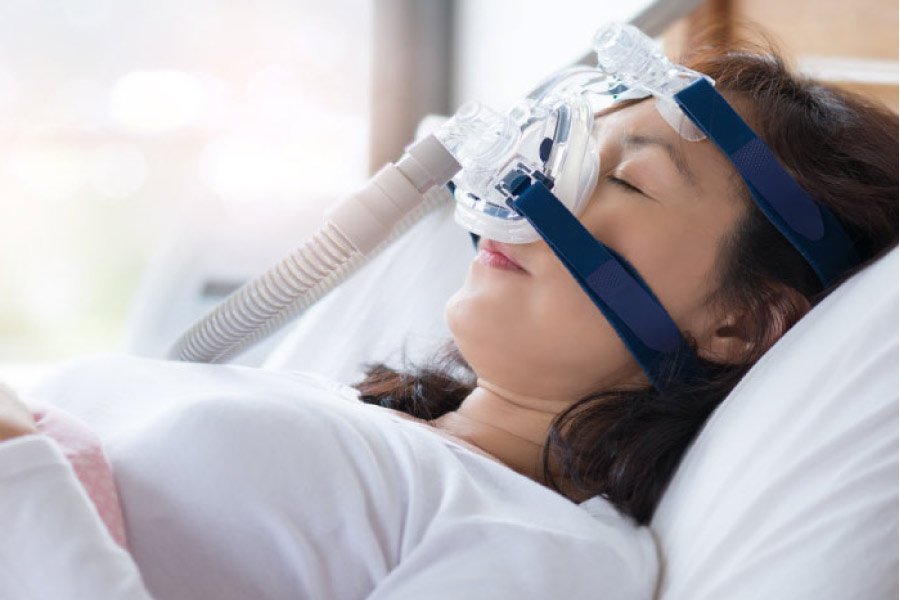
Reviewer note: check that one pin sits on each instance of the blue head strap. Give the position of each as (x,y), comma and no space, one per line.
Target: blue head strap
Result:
(615,287)
(810,227)
(611,283)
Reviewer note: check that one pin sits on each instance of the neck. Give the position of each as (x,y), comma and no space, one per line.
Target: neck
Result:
(509,427)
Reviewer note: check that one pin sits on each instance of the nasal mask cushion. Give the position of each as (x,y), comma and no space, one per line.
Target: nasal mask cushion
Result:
(548,134)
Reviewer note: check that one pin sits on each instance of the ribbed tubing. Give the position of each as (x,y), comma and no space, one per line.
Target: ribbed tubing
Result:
(283,292)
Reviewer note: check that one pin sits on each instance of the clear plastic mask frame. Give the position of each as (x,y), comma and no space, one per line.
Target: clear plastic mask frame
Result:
(550,132)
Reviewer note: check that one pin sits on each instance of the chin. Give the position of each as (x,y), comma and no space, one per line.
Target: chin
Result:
(476,330)
(464,322)
(452,312)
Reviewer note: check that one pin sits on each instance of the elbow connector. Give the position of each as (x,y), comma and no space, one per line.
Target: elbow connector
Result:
(367,217)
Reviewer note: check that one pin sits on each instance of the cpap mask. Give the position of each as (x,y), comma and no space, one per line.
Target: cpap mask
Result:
(526,175)
(548,133)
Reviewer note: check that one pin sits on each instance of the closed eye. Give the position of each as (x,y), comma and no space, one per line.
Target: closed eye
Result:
(624,184)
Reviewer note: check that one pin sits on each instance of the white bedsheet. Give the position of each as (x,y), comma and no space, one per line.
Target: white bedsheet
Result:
(242,483)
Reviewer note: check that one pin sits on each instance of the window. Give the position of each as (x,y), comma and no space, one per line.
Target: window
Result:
(119,118)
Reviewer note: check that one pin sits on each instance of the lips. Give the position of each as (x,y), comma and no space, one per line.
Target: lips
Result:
(497,255)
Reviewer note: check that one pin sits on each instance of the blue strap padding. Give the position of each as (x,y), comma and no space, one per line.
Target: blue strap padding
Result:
(613,285)
(807,225)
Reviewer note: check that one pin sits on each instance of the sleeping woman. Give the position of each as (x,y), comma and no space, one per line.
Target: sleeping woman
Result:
(527,465)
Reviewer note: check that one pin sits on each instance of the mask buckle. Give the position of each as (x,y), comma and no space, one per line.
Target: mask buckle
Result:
(519,179)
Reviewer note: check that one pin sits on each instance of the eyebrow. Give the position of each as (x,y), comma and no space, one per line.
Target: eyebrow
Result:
(675,154)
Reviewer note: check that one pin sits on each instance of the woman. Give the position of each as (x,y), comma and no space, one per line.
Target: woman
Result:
(732,282)
(413,505)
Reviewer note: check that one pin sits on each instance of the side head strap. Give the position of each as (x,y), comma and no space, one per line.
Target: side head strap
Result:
(611,283)
(809,226)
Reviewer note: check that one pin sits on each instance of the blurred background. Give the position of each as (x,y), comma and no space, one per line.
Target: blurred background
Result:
(154,156)
(122,123)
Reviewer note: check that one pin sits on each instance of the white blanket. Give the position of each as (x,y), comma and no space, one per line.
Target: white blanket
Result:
(241,483)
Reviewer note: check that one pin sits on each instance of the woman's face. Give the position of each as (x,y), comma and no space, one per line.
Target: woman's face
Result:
(663,203)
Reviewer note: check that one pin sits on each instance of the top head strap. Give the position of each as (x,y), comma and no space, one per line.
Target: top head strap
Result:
(809,226)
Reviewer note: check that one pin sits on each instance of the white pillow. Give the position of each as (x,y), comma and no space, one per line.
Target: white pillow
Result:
(393,305)
(790,490)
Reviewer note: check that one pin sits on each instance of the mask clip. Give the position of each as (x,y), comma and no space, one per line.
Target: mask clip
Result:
(517,181)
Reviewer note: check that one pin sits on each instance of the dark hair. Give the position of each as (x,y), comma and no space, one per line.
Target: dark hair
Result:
(625,445)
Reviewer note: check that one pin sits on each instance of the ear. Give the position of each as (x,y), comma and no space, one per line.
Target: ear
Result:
(743,334)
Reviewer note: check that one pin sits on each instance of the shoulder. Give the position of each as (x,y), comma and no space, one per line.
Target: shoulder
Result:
(233,422)
(253,484)
(229,462)
(540,547)
(512,535)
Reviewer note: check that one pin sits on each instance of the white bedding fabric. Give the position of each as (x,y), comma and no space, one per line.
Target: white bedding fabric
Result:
(790,491)
(242,483)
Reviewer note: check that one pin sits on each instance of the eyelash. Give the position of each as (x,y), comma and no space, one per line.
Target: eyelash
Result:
(624,184)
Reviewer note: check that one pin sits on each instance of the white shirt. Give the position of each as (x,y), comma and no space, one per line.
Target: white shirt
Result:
(243,483)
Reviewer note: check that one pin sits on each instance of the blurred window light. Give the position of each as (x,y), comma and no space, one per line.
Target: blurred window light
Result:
(120,118)
(156,101)
(49,169)
(9,90)
(118,170)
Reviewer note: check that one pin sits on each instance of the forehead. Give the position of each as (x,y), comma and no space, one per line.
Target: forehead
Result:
(638,130)
(641,120)
(641,113)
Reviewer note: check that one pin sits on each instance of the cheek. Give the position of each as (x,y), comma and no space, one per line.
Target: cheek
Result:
(675,256)
(542,337)
(581,343)
(486,318)
(676,265)
(481,308)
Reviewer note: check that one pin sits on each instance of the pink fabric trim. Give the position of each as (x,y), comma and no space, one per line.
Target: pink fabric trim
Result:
(82,447)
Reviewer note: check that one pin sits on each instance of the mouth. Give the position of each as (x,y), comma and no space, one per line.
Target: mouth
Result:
(496,255)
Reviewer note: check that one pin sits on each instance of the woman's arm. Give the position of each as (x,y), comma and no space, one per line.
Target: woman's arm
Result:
(54,544)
